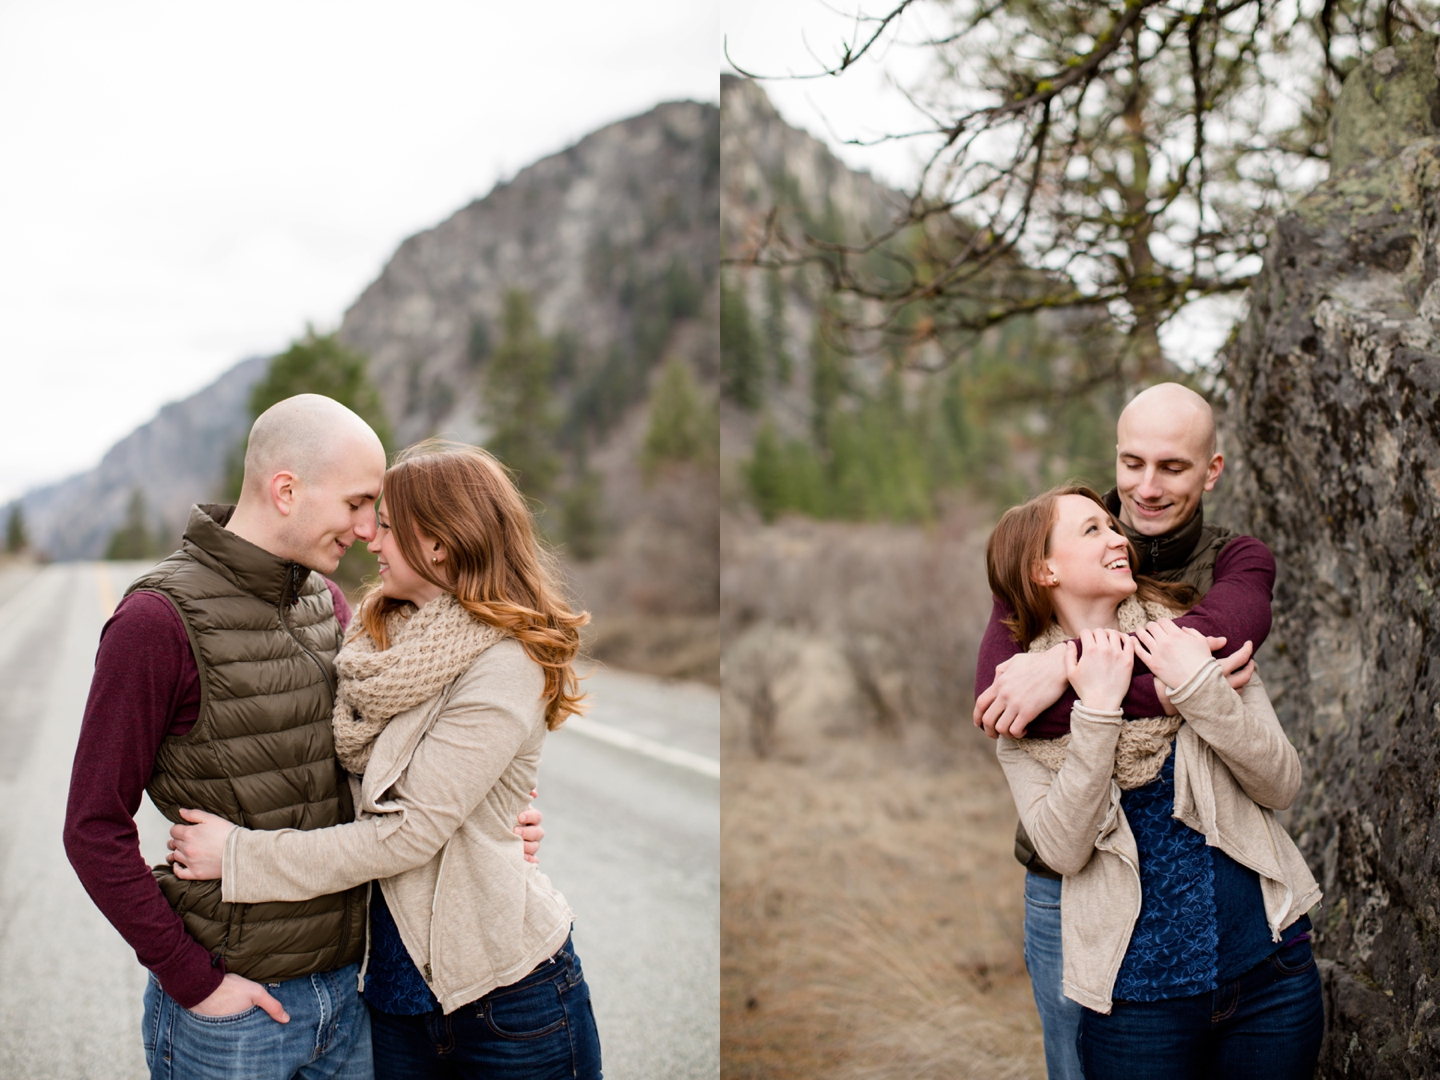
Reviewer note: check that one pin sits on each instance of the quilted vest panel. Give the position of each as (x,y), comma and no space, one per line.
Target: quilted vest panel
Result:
(264,635)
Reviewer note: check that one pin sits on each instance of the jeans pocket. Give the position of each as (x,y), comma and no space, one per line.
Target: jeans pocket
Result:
(1293,959)
(528,1013)
(231,1018)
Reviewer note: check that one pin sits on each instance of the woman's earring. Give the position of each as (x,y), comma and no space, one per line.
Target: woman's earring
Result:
(1054,579)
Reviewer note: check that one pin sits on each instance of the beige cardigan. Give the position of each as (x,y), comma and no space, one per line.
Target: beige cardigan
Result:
(434,814)
(1233,768)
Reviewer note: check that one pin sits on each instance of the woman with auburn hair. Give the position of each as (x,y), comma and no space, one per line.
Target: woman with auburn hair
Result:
(458,663)
(1183,904)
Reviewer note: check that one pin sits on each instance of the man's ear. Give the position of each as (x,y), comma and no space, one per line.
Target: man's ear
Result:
(283,490)
(1212,474)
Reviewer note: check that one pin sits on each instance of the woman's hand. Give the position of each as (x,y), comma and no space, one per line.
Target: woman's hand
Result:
(1101,676)
(1172,653)
(196,851)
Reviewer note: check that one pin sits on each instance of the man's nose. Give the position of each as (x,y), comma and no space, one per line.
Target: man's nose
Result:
(365,528)
(1148,485)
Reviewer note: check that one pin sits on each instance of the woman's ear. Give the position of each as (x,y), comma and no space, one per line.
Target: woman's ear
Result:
(437,553)
(1044,575)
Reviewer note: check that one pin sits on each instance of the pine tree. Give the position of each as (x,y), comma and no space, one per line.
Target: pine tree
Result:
(518,399)
(17,538)
(741,365)
(134,538)
(775,343)
(681,428)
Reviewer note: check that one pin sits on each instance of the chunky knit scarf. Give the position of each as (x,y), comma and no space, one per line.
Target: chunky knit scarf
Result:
(1144,744)
(429,648)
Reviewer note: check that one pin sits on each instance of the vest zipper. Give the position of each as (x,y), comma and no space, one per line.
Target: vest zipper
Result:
(292,590)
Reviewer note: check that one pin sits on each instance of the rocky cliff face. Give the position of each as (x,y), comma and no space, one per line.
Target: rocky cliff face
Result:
(588,232)
(582,232)
(174,460)
(1334,434)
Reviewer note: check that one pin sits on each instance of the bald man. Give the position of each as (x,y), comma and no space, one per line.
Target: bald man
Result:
(213,689)
(1165,460)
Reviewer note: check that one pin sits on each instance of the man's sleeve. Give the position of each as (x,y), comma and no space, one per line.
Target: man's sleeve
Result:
(342,606)
(997,646)
(140,672)
(1237,608)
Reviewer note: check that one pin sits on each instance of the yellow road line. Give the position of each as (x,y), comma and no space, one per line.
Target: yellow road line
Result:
(106,589)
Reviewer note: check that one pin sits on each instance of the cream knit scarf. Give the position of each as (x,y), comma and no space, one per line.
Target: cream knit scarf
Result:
(429,648)
(1144,744)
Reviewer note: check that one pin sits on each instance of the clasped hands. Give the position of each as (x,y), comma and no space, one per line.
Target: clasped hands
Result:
(1029,683)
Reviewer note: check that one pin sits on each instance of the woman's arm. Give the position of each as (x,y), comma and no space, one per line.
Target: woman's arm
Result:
(489,717)
(1066,812)
(1243,730)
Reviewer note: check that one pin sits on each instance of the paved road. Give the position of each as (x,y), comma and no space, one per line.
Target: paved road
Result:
(633,842)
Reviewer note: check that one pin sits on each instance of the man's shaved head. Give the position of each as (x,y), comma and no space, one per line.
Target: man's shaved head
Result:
(304,435)
(1165,458)
(313,471)
(1176,408)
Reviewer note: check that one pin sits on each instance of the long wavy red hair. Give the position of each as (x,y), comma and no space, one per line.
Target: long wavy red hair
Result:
(495,565)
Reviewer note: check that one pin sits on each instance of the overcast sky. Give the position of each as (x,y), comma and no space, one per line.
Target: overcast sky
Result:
(184,185)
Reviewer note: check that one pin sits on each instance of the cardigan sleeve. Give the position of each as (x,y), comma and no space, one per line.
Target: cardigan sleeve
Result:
(483,726)
(1066,812)
(1242,728)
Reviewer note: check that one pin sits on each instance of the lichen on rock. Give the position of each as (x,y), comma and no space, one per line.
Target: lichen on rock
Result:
(1333,429)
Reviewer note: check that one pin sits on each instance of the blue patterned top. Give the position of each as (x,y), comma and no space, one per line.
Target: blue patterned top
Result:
(393,984)
(1175,944)
(1202,915)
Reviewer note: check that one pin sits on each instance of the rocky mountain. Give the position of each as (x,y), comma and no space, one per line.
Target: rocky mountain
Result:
(173,460)
(775,175)
(1334,420)
(603,236)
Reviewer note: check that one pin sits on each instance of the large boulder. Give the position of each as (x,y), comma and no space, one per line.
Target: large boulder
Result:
(1333,427)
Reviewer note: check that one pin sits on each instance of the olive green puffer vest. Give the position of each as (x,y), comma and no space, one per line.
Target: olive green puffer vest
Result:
(261,754)
(1187,554)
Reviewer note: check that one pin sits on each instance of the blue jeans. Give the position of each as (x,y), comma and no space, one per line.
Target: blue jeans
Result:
(1059,1016)
(327,1038)
(536,1029)
(1265,1025)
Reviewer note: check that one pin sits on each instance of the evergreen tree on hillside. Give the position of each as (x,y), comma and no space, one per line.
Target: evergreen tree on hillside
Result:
(742,367)
(518,400)
(134,539)
(681,427)
(17,539)
(775,327)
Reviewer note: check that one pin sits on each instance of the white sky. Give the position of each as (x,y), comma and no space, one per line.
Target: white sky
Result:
(185,185)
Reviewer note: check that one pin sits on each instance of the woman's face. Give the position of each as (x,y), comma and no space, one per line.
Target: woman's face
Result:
(398,580)
(1088,558)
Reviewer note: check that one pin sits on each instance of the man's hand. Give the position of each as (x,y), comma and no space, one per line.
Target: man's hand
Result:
(1025,686)
(236,994)
(196,851)
(527,827)
(1101,676)
(1238,666)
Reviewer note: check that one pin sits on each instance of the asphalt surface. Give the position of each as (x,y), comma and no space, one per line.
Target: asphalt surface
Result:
(632,816)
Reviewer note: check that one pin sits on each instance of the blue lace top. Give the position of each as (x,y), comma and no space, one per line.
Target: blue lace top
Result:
(1202,916)
(393,984)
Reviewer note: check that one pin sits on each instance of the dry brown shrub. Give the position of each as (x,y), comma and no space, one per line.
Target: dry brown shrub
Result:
(871,910)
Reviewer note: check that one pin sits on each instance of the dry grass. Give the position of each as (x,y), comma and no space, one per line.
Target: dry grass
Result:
(872,920)
(871,910)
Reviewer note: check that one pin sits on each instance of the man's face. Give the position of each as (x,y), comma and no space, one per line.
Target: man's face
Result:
(1162,467)
(335,508)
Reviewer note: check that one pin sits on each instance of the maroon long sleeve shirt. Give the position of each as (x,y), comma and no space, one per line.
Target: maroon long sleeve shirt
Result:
(1237,608)
(146,686)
